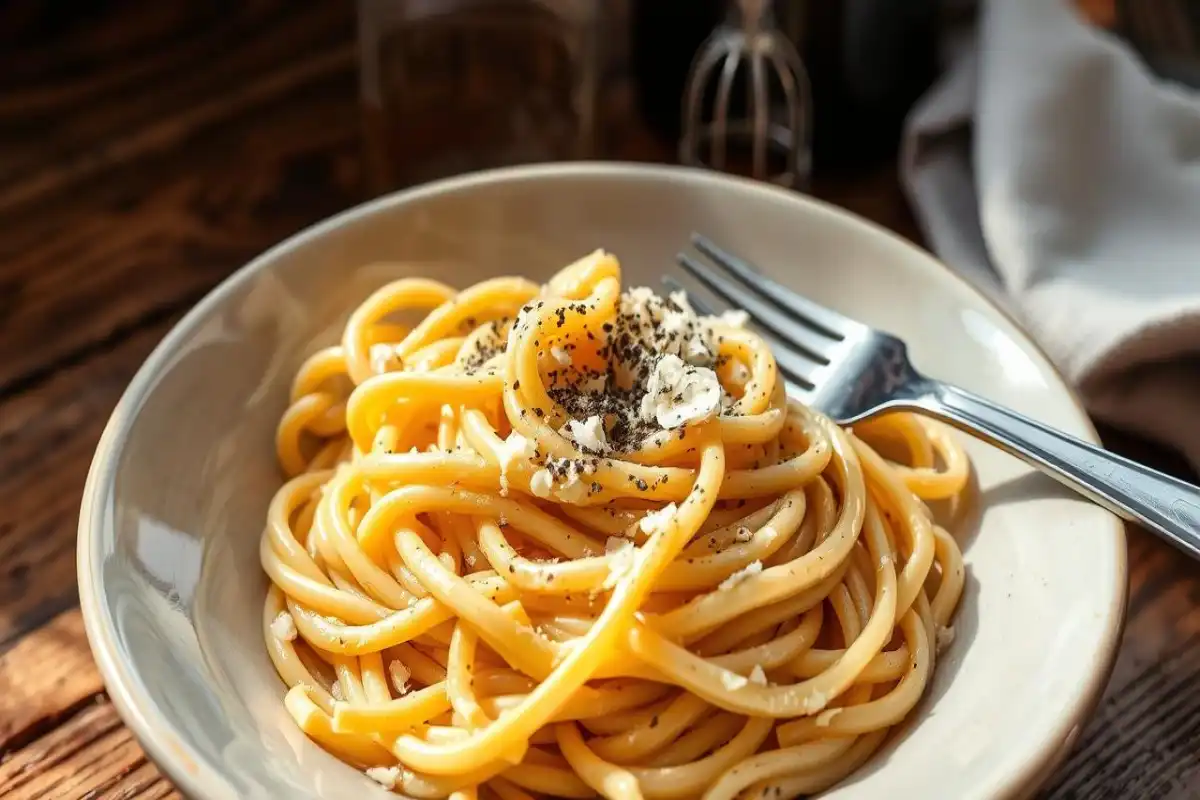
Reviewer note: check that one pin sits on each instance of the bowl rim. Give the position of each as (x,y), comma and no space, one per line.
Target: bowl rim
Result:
(196,776)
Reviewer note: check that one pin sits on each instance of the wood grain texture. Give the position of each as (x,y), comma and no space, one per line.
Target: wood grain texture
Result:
(187,156)
(47,436)
(95,269)
(91,755)
(1144,740)
(45,678)
(146,151)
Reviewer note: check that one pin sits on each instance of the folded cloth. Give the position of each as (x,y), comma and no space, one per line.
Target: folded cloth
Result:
(1062,178)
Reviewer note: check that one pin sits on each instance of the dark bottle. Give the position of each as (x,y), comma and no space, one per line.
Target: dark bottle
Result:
(869,61)
(664,35)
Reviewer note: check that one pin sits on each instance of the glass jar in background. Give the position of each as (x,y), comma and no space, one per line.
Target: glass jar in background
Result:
(450,86)
(747,106)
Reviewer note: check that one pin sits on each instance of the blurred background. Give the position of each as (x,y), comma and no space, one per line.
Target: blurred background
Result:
(148,150)
(335,101)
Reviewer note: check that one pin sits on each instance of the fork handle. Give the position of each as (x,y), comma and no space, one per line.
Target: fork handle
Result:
(1169,506)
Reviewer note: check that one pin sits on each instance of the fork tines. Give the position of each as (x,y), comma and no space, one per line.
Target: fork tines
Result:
(807,336)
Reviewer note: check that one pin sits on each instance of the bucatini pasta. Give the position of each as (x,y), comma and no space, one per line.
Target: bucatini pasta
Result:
(573,540)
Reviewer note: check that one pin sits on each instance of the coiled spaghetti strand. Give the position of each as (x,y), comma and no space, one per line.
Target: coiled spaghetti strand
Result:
(704,612)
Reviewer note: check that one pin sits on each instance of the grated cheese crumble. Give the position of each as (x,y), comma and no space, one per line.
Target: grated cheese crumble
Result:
(753,568)
(622,554)
(588,434)
(657,520)
(560,355)
(399,675)
(387,777)
(283,627)
(733,681)
(679,393)
(383,358)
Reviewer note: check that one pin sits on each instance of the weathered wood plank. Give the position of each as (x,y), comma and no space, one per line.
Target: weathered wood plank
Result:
(120,69)
(136,195)
(44,678)
(90,755)
(143,783)
(89,284)
(72,343)
(151,238)
(1144,740)
(46,442)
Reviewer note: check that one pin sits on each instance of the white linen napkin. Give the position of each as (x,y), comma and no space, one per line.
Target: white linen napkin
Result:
(1061,177)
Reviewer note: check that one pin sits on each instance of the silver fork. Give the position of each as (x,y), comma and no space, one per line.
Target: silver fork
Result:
(851,371)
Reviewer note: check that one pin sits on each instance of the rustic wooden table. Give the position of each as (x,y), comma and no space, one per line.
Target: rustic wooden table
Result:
(145,152)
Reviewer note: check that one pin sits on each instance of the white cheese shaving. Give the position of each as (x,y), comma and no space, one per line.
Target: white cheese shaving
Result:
(678,322)
(753,568)
(515,448)
(561,355)
(734,318)
(399,675)
(679,297)
(732,681)
(283,627)
(647,315)
(570,487)
(679,393)
(588,434)
(562,478)
(697,352)
(657,520)
(815,702)
(739,372)
(541,483)
(383,358)
(386,777)
(622,554)
(757,675)
(743,534)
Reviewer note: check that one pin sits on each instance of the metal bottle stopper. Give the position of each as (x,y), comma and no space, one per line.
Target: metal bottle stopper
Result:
(773,124)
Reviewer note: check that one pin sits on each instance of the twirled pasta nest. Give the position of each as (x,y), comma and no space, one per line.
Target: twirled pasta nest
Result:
(475,589)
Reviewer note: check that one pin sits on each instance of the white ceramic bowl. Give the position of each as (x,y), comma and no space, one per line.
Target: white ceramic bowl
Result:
(168,538)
